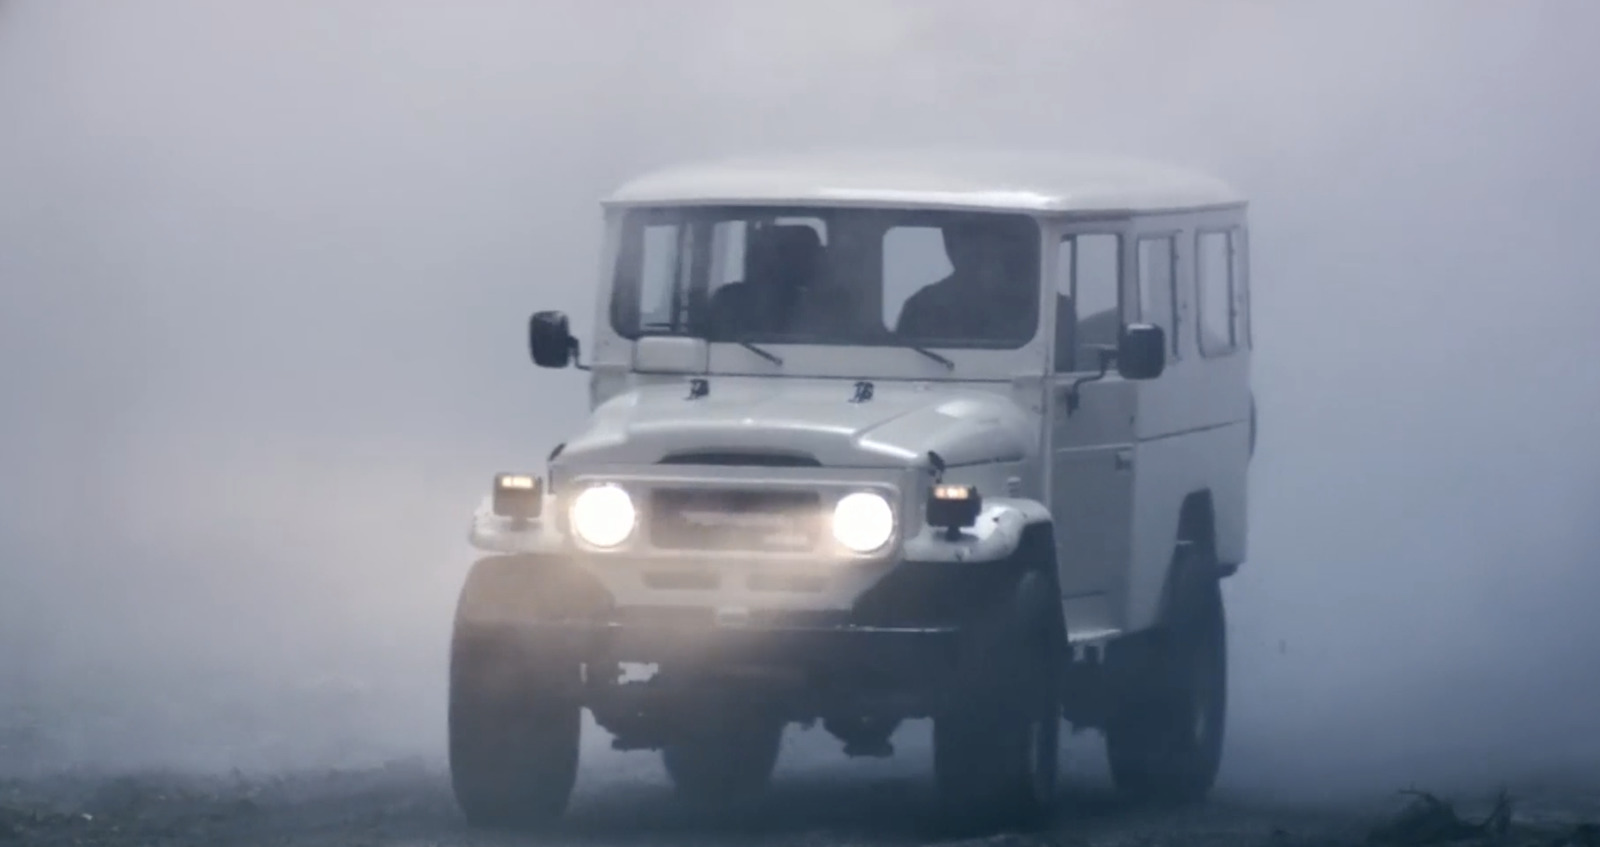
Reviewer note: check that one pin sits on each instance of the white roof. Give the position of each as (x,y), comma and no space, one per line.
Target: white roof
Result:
(986,179)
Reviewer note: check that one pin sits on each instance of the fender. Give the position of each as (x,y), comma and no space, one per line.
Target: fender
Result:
(995,537)
(495,534)
(514,591)
(999,564)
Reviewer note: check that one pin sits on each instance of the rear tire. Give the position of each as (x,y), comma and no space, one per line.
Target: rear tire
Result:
(1164,742)
(996,743)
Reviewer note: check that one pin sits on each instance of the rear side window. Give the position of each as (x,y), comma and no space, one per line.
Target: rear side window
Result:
(1215,279)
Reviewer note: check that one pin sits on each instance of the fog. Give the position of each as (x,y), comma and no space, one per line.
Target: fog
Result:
(264,271)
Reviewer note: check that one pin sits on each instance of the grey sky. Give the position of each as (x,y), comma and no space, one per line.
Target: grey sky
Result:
(264,270)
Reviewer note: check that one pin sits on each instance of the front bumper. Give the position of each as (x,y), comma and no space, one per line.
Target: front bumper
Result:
(894,649)
(812,652)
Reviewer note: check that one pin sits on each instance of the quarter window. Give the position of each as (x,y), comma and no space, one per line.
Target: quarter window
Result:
(1214,281)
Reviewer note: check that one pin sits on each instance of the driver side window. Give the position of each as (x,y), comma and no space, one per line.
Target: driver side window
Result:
(1088,285)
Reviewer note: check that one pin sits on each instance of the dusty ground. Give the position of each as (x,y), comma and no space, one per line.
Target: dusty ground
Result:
(409,803)
(140,747)
(819,798)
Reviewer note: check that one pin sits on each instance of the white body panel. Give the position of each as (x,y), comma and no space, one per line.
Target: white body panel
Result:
(647,421)
(1114,475)
(1124,463)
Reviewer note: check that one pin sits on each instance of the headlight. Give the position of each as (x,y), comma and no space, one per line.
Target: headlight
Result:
(603,515)
(863,521)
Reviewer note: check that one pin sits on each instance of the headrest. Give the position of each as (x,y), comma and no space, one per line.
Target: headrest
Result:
(796,237)
(789,254)
(791,241)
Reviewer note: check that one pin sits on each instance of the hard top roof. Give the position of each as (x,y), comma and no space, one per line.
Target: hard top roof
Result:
(1026,181)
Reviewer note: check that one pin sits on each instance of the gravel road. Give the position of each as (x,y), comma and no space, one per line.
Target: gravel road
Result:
(819,798)
(223,741)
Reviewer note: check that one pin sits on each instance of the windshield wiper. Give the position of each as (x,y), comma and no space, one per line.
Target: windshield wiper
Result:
(935,356)
(765,354)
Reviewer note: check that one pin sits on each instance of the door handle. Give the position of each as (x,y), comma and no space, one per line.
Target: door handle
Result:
(1124,460)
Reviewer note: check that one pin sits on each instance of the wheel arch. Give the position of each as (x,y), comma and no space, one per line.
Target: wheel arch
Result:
(516,588)
(1037,552)
(942,582)
(1197,520)
(1034,561)
(1197,526)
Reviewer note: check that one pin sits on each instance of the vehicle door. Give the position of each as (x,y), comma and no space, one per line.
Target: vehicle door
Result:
(1091,435)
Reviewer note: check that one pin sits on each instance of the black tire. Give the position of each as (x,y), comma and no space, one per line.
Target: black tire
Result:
(996,742)
(514,716)
(726,763)
(1164,742)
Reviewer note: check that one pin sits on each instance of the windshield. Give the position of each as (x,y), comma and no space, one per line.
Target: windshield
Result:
(829,276)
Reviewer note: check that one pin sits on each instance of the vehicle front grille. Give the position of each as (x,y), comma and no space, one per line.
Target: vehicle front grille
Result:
(735,520)
(736,458)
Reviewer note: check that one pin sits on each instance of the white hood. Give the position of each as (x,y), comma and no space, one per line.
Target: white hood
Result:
(896,427)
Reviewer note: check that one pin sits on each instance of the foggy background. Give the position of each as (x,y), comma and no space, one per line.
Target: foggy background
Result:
(264,272)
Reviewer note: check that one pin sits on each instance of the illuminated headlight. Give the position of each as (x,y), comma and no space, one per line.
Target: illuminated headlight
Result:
(603,515)
(863,522)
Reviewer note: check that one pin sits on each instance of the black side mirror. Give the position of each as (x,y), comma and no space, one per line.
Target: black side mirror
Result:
(1142,351)
(550,341)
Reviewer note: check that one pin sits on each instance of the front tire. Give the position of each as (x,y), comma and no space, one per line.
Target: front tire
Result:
(514,711)
(1165,742)
(996,743)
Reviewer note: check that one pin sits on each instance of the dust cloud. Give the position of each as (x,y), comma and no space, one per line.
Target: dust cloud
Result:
(264,270)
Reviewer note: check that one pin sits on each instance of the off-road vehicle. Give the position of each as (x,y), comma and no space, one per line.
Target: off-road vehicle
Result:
(877,437)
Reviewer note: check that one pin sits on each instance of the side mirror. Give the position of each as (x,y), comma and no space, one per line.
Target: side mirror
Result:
(1142,351)
(550,341)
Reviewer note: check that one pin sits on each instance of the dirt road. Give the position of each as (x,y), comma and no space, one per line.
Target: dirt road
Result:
(818,799)
(409,804)
(123,753)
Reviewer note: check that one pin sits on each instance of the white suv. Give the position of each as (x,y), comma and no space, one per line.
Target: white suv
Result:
(875,437)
